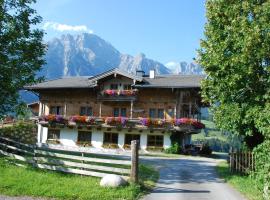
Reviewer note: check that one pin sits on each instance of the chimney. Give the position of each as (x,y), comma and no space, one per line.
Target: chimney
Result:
(152,74)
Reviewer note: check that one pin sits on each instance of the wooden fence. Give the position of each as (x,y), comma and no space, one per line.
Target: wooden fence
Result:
(75,162)
(241,161)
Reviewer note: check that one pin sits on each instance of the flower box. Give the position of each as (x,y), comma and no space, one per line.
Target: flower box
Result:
(154,148)
(84,144)
(53,119)
(120,92)
(119,122)
(110,146)
(53,141)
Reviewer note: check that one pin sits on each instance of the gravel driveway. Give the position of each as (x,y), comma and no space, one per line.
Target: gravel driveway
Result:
(189,179)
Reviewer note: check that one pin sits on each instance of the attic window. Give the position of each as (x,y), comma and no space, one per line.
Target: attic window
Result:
(114,86)
(127,87)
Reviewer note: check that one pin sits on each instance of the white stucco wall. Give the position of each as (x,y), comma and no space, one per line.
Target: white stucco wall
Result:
(68,136)
(143,142)
(121,139)
(39,134)
(167,141)
(44,134)
(97,138)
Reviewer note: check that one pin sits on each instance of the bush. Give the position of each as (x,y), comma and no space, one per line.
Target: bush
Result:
(174,149)
(262,167)
(206,150)
(22,132)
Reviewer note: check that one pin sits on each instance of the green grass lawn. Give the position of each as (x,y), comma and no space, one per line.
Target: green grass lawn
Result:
(19,181)
(244,184)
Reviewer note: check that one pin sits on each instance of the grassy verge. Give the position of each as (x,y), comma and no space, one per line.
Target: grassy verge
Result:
(18,181)
(244,184)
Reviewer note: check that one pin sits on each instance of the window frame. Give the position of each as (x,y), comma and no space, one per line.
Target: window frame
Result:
(79,139)
(88,111)
(127,87)
(111,138)
(155,141)
(114,86)
(152,111)
(58,110)
(162,113)
(54,134)
(132,138)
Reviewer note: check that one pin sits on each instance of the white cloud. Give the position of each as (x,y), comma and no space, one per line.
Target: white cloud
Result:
(64,27)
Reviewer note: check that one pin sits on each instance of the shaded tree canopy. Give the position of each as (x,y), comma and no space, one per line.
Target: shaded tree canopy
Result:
(235,54)
(21,50)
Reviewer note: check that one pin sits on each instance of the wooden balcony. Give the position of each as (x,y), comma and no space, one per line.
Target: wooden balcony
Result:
(117,95)
(187,125)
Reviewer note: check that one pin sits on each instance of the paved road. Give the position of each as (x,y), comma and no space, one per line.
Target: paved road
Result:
(189,179)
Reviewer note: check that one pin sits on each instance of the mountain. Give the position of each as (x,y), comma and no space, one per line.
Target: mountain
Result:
(184,68)
(87,54)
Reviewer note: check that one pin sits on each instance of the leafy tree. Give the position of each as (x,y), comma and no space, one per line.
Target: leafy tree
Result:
(235,56)
(21,50)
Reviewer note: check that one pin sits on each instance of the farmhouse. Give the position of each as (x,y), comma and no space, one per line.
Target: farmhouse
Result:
(111,109)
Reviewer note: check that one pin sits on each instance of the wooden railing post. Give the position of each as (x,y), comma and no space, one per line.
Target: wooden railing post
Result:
(134,161)
(231,159)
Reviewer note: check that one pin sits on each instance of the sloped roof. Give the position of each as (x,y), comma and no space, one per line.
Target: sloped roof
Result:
(160,81)
(172,81)
(115,71)
(67,82)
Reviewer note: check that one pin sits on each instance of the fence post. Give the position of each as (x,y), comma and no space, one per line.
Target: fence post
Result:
(134,161)
(231,159)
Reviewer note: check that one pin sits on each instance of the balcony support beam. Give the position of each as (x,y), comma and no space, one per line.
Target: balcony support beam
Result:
(100,109)
(131,109)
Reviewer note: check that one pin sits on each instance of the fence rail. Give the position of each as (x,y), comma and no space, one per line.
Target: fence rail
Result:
(75,162)
(241,161)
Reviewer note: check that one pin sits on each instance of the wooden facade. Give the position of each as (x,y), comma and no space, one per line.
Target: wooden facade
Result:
(115,94)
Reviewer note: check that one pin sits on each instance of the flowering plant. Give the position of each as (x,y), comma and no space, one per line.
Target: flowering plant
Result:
(120,92)
(116,121)
(152,122)
(189,121)
(53,118)
(82,119)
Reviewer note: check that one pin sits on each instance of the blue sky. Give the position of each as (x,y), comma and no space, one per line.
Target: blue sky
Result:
(164,30)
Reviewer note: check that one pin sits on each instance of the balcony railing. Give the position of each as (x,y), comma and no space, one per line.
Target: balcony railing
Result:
(182,124)
(118,95)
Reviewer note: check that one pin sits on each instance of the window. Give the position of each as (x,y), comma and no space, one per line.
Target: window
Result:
(130,137)
(114,86)
(123,112)
(161,113)
(152,113)
(119,112)
(53,134)
(110,138)
(56,110)
(127,87)
(155,140)
(84,136)
(170,112)
(86,111)
(116,112)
